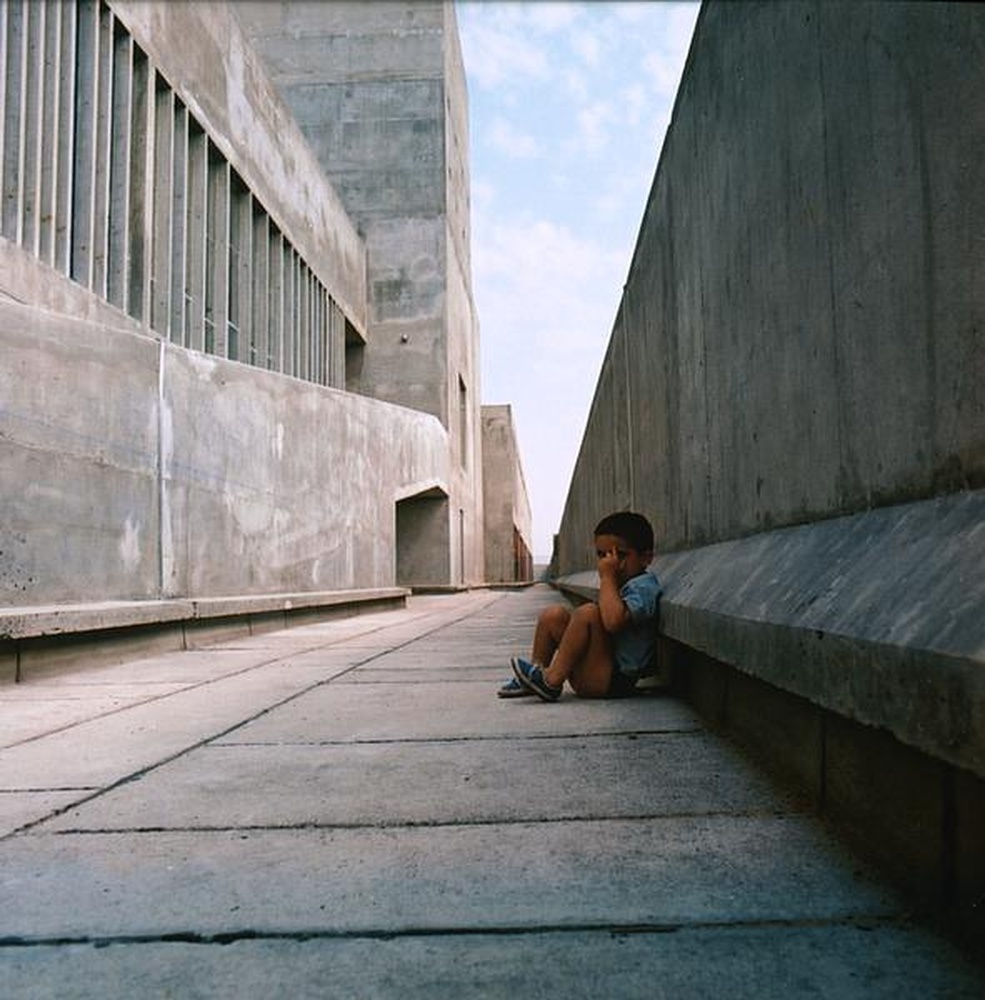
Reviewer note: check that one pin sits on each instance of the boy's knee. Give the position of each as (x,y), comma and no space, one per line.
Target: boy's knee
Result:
(555,615)
(588,613)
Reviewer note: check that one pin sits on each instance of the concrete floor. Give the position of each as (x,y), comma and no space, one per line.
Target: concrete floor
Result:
(347,810)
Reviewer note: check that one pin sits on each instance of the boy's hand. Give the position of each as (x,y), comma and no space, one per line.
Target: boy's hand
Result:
(608,564)
(611,606)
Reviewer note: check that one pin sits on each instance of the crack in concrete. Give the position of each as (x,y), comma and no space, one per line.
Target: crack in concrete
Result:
(428,824)
(862,921)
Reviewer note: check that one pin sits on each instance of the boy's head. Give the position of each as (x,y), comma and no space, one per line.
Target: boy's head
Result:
(630,537)
(633,529)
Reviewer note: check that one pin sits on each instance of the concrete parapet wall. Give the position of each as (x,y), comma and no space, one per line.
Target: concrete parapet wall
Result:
(875,617)
(35,641)
(505,500)
(849,655)
(800,334)
(136,470)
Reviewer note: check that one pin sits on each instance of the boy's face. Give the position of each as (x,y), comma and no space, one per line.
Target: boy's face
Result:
(630,562)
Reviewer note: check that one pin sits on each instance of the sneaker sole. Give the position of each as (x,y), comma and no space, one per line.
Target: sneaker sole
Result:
(516,691)
(532,688)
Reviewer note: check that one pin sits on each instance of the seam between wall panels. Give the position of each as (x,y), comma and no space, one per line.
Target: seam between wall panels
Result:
(160,468)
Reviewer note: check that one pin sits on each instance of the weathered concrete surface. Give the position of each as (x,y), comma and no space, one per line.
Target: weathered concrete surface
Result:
(220,76)
(327,818)
(504,499)
(156,472)
(379,93)
(800,332)
(879,617)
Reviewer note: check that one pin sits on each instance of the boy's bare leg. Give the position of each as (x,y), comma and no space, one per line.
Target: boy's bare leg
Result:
(584,655)
(551,624)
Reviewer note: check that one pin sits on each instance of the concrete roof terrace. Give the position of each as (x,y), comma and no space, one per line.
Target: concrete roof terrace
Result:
(346,809)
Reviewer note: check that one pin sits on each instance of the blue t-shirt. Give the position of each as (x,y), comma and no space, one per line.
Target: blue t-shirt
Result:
(633,648)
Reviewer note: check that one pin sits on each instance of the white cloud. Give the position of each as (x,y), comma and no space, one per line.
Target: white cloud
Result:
(633,101)
(509,140)
(496,54)
(587,45)
(548,17)
(594,120)
(632,12)
(544,330)
(540,295)
(664,64)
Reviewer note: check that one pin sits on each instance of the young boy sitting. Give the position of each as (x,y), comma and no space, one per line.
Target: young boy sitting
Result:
(601,649)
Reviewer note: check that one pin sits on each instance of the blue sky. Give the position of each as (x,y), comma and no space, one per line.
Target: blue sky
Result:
(569,103)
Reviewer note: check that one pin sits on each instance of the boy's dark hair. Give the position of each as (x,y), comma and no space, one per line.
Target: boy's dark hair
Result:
(633,528)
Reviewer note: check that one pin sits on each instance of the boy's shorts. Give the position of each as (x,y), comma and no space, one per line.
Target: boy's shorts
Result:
(621,685)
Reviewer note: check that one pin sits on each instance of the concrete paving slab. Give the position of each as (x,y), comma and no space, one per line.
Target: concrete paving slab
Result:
(108,749)
(381,672)
(351,712)
(435,783)
(414,657)
(870,962)
(449,868)
(37,716)
(189,667)
(18,809)
(668,872)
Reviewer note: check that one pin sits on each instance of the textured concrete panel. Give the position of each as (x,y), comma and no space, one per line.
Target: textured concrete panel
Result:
(799,333)
(459,781)
(351,712)
(17,809)
(864,962)
(677,870)
(105,750)
(204,54)
(877,616)
(78,492)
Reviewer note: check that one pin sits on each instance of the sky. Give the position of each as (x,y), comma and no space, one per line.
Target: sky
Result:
(568,105)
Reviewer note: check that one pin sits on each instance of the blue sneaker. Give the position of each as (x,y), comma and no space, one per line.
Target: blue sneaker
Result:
(513,689)
(532,677)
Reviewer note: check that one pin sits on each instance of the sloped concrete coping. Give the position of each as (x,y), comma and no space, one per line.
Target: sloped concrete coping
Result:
(878,616)
(39,621)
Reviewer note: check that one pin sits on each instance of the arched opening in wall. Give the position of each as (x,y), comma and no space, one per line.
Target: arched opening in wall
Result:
(424,540)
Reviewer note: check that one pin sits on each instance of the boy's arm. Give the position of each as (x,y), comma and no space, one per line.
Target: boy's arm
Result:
(614,613)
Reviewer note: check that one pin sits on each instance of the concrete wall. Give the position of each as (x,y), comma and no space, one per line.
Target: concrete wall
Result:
(238,480)
(133,469)
(801,331)
(379,91)
(507,506)
(201,49)
(794,392)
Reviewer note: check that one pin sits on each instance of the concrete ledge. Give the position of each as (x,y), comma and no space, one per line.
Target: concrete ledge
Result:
(48,620)
(35,641)
(225,607)
(61,619)
(878,617)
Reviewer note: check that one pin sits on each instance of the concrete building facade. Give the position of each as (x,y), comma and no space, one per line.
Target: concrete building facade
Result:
(507,510)
(210,381)
(379,92)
